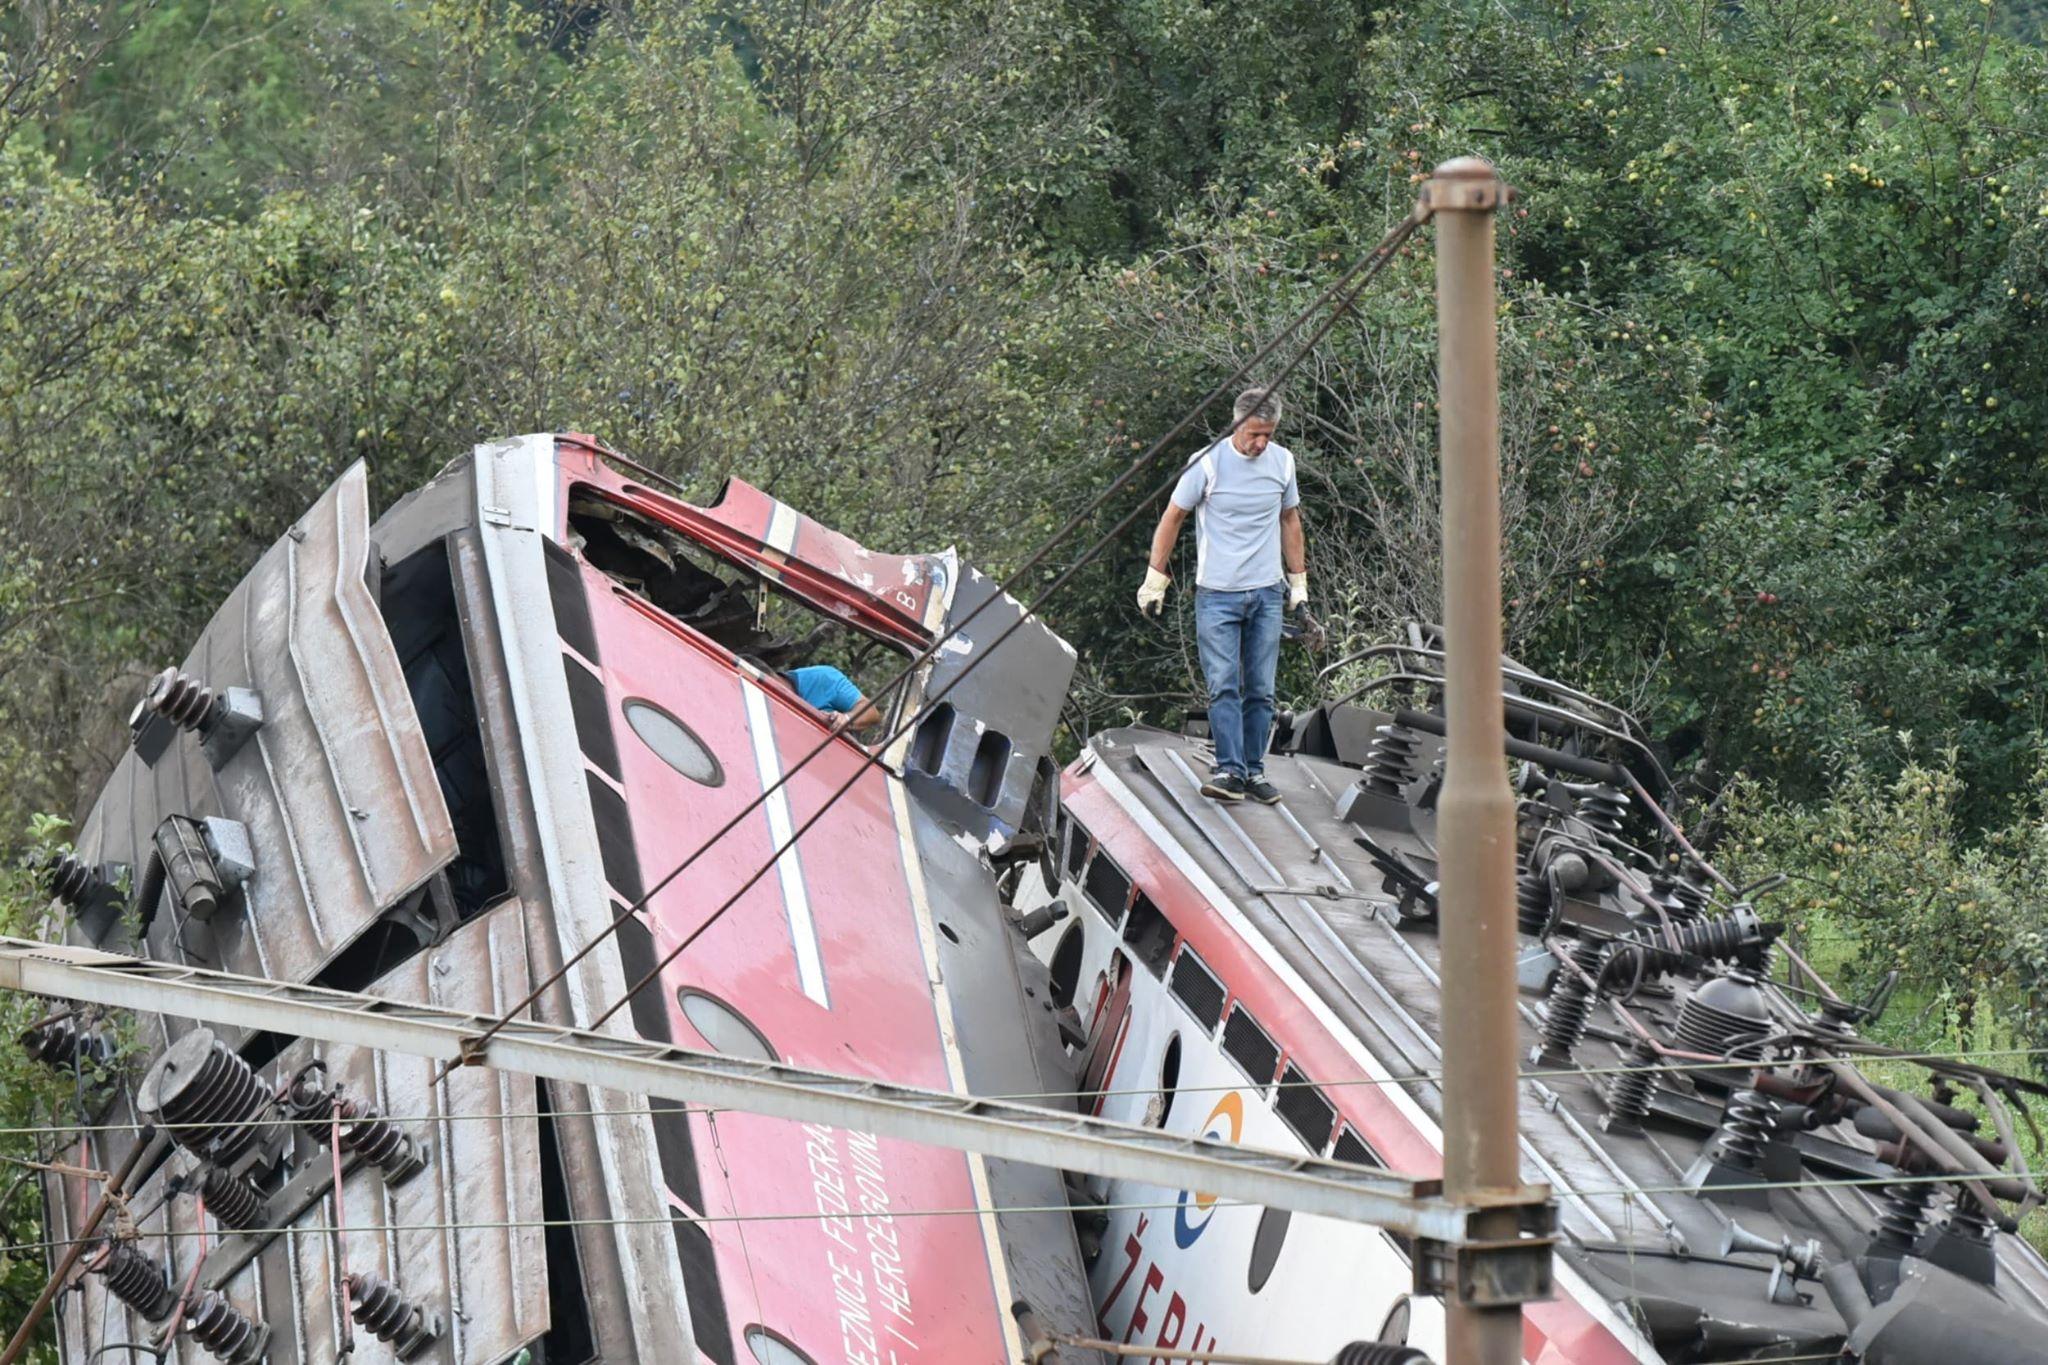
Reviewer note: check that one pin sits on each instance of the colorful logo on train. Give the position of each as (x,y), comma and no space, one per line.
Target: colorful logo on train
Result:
(1224,1124)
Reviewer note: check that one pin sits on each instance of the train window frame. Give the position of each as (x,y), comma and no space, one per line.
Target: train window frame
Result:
(1089,893)
(1236,1012)
(1174,989)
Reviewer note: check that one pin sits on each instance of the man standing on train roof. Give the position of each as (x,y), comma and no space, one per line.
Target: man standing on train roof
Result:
(1250,564)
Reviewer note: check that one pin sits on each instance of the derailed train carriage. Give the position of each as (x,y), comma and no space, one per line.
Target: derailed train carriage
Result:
(431,757)
(1731,1187)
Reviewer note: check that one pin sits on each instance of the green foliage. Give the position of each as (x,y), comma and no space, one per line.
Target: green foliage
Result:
(31,1096)
(1775,386)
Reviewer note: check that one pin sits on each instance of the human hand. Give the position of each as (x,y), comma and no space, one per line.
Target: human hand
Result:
(1152,596)
(1297,591)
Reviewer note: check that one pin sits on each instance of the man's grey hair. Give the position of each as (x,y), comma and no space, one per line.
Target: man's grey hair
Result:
(1260,404)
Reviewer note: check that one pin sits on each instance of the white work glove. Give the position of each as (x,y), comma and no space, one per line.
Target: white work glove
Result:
(1297,590)
(1152,597)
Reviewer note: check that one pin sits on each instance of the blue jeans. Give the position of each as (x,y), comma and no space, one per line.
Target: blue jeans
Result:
(1238,637)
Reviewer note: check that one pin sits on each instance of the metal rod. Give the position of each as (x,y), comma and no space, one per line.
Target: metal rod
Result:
(1476,812)
(18,1343)
(1040,1136)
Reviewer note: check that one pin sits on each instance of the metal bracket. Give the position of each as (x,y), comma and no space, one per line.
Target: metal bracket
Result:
(1499,1272)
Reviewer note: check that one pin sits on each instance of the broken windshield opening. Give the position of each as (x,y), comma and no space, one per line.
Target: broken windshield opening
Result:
(728,603)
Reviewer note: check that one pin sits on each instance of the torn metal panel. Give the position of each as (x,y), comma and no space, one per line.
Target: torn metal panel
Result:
(985,747)
(336,788)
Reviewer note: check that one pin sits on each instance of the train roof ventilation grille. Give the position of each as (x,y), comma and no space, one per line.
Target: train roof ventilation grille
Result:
(1245,1043)
(1196,987)
(1303,1108)
(1108,888)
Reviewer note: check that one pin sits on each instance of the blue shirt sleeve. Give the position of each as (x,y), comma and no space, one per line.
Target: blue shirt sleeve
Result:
(1292,497)
(825,687)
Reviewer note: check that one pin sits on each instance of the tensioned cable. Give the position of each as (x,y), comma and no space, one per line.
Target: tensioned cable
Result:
(1412,1078)
(510,1224)
(970,1211)
(1364,271)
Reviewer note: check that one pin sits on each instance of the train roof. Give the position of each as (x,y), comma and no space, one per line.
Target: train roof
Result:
(1699,1206)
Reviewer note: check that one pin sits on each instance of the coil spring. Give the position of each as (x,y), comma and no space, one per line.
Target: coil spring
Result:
(72,881)
(1902,1215)
(179,698)
(1601,808)
(215,1112)
(1571,1005)
(1390,762)
(1628,1095)
(1745,1125)
(224,1330)
(1532,903)
(1690,898)
(62,1044)
(364,1128)
(233,1200)
(391,1317)
(134,1278)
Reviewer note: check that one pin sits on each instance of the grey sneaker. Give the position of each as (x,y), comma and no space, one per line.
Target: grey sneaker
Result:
(1224,787)
(1262,791)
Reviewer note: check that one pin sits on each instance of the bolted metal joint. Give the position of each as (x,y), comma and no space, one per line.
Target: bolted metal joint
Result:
(408,1328)
(1494,1272)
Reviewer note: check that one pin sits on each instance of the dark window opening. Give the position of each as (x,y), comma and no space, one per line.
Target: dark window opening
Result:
(1109,890)
(1150,935)
(991,764)
(614,837)
(568,1340)
(1197,988)
(934,734)
(1078,840)
(708,1322)
(1066,965)
(592,715)
(728,603)
(1169,1080)
(418,602)
(1303,1108)
(1246,1044)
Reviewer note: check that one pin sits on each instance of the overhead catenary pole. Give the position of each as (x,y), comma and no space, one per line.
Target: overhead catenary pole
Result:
(1475,812)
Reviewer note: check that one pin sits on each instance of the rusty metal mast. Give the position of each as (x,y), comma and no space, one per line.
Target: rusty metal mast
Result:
(1476,810)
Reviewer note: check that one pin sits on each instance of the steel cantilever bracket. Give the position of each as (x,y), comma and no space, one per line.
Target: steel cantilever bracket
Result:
(1494,1273)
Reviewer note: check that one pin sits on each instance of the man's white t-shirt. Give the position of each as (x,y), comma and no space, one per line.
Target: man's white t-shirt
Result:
(1237,501)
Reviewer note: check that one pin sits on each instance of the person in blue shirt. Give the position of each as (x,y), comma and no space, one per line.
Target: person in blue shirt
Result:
(828,689)
(1251,561)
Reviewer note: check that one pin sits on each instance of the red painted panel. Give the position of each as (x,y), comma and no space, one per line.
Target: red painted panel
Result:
(827,1284)
(886,594)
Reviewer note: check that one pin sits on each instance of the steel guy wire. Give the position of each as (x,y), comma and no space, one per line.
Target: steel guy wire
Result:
(621,1220)
(1352,1082)
(969,1211)
(1369,266)
(1367,269)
